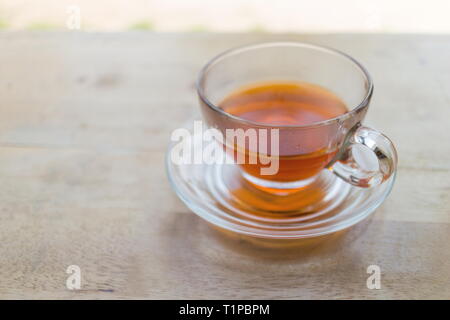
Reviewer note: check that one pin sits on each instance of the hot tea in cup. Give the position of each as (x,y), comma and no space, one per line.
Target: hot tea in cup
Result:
(314,97)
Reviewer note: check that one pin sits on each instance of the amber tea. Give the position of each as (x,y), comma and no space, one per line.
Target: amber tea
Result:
(288,104)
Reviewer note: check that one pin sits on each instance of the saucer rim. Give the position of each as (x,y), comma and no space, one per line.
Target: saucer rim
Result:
(280,234)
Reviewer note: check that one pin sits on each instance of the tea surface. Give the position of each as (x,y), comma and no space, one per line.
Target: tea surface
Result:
(286,103)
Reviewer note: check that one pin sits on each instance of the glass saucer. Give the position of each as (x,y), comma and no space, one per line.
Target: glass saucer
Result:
(220,194)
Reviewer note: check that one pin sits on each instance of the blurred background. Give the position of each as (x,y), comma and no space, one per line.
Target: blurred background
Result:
(321,16)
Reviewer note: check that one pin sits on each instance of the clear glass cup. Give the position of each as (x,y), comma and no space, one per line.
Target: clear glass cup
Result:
(346,141)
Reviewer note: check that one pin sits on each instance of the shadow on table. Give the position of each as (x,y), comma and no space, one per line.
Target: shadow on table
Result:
(209,240)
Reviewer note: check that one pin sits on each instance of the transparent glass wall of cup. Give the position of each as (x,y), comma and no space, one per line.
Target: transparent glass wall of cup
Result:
(304,151)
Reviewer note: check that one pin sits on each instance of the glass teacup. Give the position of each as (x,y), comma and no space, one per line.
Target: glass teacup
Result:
(340,144)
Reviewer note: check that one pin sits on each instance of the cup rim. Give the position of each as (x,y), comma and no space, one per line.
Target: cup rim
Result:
(226,53)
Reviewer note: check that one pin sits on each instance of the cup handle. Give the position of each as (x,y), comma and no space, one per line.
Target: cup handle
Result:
(346,167)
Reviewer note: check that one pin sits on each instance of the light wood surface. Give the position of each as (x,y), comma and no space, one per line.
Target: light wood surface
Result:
(84,123)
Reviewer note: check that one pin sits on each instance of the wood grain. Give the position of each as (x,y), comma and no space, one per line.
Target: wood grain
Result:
(84,123)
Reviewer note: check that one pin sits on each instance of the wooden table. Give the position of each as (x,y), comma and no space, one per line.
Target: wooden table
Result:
(84,123)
